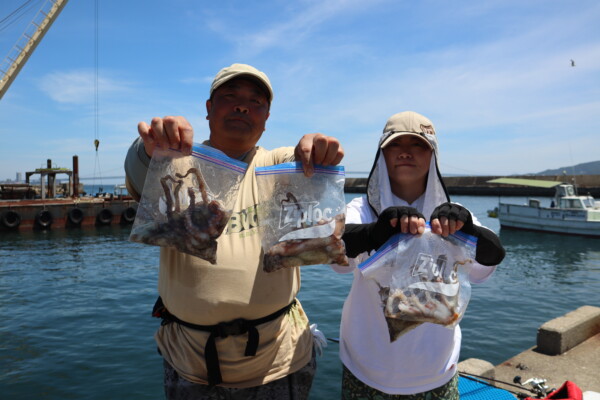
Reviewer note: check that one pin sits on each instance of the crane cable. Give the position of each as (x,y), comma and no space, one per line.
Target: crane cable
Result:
(96,107)
(14,17)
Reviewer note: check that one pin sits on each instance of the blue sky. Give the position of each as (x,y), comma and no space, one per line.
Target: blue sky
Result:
(494,77)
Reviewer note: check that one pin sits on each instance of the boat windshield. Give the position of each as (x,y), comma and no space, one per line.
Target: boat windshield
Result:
(571,203)
(589,202)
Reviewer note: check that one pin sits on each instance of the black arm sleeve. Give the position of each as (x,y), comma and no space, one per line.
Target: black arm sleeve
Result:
(489,249)
(359,238)
(356,239)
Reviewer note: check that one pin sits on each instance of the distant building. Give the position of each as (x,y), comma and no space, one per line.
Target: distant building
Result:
(19,177)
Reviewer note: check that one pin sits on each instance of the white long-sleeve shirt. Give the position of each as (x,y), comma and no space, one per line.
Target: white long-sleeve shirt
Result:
(420,360)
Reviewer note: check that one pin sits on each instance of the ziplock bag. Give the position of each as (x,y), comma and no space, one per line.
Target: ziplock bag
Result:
(302,219)
(187,200)
(422,278)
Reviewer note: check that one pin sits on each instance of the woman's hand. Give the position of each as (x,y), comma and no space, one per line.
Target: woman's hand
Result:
(447,218)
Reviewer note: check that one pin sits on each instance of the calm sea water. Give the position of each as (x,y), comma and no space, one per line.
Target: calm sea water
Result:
(76,322)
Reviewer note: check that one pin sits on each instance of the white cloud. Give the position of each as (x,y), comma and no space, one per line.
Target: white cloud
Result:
(292,26)
(197,80)
(78,86)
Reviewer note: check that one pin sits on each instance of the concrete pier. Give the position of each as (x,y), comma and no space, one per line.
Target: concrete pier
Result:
(568,349)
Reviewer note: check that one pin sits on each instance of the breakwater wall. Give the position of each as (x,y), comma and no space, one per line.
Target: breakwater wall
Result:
(567,349)
(479,186)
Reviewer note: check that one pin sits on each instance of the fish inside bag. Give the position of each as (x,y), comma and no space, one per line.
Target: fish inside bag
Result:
(301,219)
(422,278)
(187,200)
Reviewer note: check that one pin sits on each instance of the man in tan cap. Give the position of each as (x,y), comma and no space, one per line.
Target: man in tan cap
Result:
(230,329)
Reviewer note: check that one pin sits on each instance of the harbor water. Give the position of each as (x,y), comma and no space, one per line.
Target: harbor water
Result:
(76,322)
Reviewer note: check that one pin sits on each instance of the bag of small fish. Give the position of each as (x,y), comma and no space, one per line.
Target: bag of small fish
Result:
(422,278)
(301,219)
(187,200)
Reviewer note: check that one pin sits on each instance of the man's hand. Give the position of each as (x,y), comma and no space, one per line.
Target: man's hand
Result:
(167,132)
(316,148)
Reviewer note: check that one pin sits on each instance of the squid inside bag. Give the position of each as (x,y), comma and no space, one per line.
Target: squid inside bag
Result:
(301,219)
(422,278)
(187,200)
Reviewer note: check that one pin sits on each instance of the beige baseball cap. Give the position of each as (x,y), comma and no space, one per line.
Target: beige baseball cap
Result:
(238,70)
(409,123)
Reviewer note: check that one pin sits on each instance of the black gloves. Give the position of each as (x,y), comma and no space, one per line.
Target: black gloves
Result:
(359,238)
(489,249)
(454,212)
(381,230)
(366,237)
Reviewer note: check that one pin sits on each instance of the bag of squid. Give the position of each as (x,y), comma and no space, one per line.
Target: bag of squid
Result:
(187,200)
(301,219)
(422,278)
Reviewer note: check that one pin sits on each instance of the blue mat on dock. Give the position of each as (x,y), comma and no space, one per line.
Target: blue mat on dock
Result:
(475,390)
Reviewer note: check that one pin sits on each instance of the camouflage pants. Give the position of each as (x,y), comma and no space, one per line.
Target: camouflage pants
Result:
(292,387)
(354,389)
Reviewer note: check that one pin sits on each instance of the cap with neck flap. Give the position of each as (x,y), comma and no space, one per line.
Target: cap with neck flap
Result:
(409,123)
(379,192)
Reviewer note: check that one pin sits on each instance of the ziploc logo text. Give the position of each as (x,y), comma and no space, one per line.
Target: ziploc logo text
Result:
(436,270)
(303,214)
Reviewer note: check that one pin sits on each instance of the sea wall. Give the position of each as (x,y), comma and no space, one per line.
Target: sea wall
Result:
(479,186)
(568,349)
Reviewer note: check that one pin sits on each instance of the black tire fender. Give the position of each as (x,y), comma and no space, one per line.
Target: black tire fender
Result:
(11,219)
(104,217)
(75,216)
(128,215)
(43,219)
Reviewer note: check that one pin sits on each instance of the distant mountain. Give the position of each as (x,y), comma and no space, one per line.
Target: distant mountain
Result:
(589,168)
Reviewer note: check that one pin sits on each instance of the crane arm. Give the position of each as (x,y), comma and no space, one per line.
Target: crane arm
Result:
(22,50)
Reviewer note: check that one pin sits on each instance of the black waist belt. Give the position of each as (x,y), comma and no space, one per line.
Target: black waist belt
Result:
(222,330)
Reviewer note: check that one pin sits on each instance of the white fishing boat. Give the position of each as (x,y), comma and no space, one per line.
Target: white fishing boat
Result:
(568,213)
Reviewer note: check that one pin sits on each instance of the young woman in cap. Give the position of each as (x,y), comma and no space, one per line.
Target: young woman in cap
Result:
(404,188)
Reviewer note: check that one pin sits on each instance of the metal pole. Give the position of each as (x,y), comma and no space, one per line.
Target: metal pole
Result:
(75,176)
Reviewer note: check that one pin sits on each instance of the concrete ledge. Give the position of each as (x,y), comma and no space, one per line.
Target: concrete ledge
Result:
(563,333)
(475,366)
